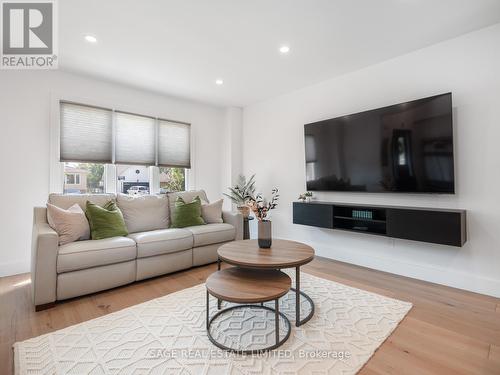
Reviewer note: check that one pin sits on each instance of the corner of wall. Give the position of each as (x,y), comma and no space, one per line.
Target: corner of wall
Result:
(232,158)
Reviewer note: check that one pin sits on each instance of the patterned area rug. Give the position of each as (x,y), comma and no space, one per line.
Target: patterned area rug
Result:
(167,336)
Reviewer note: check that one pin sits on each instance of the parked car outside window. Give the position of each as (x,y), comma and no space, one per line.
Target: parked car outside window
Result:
(138,190)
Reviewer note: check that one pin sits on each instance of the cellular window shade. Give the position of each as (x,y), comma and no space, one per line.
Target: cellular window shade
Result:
(86,133)
(134,139)
(174,144)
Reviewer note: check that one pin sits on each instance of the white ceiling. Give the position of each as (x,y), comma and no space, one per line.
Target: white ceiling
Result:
(180,47)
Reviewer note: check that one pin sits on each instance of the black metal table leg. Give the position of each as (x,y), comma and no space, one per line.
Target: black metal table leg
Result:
(208,307)
(252,351)
(218,269)
(277,320)
(297,296)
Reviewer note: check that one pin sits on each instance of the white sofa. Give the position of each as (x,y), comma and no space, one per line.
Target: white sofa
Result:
(151,249)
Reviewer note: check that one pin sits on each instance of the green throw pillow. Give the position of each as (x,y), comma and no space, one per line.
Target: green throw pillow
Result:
(106,221)
(187,214)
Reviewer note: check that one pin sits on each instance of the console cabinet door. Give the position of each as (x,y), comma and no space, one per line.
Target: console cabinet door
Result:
(441,227)
(314,214)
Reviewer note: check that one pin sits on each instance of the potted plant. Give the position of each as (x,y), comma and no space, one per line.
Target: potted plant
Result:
(306,196)
(261,209)
(241,193)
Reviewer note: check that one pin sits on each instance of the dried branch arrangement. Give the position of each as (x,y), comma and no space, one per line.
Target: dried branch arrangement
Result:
(261,206)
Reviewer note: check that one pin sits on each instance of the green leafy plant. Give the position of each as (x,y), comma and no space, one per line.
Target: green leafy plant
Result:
(304,196)
(94,177)
(176,179)
(243,191)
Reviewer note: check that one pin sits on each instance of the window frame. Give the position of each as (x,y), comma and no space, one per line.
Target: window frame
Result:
(56,170)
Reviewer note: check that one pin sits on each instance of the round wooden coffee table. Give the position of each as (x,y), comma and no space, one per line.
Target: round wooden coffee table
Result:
(282,254)
(246,287)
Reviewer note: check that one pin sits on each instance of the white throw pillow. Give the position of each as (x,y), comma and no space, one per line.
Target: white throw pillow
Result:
(71,224)
(212,212)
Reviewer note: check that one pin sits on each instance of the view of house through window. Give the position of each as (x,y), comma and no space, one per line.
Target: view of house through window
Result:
(81,178)
(172,179)
(132,179)
(73,178)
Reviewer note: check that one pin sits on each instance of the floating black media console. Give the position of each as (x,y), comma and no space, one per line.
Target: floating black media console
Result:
(441,226)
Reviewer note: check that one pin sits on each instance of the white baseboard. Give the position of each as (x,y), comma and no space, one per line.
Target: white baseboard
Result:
(434,274)
(14,268)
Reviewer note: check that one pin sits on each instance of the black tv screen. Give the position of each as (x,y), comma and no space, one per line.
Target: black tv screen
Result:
(406,147)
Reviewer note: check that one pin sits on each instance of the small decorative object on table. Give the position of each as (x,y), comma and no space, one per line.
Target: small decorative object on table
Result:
(306,196)
(261,207)
(241,193)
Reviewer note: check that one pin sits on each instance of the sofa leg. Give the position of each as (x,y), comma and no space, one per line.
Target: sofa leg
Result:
(45,306)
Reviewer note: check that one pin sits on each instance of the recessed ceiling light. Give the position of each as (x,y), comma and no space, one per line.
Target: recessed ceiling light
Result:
(219,81)
(284,49)
(90,38)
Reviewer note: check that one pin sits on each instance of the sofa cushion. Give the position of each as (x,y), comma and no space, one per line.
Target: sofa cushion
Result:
(85,254)
(187,196)
(187,214)
(71,224)
(144,213)
(212,212)
(65,201)
(163,241)
(106,221)
(212,233)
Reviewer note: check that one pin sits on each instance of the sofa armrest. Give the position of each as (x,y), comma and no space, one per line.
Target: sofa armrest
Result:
(235,219)
(44,247)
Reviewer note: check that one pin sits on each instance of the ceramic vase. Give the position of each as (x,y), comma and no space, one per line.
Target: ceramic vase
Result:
(265,235)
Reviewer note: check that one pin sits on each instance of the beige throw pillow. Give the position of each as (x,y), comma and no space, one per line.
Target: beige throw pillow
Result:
(71,224)
(212,212)
(144,212)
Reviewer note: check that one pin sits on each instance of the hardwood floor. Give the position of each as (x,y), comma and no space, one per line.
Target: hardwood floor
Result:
(448,331)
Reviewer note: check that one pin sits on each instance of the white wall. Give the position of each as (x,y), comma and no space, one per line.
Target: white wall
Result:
(469,67)
(232,149)
(26,98)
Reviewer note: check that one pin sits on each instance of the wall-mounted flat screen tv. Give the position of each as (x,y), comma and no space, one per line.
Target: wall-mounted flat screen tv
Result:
(406,147)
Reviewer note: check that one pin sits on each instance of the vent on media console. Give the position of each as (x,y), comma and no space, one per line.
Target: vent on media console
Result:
(362,214)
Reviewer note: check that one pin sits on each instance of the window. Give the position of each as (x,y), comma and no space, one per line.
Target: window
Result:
(73,178)
(132,179)
(174,144)
(86,133)
(82,178)
(135,139)
(128,145)
(172,179)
